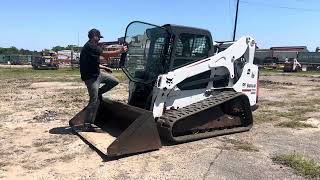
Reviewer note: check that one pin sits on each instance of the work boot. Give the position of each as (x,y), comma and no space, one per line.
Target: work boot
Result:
(86,127)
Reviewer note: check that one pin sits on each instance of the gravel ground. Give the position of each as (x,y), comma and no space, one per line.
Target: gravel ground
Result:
(36,143)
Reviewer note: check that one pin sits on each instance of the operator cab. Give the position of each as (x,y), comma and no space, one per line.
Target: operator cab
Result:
(155,50)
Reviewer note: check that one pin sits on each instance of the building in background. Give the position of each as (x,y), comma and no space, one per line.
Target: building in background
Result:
(262,56)
(3,59)
(15,59)
(278,55)
(68,56)
(286,52)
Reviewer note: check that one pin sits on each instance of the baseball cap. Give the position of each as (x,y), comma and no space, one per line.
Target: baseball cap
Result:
(94,32)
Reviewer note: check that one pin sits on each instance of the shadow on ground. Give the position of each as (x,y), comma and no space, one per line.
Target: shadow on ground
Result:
(61,130)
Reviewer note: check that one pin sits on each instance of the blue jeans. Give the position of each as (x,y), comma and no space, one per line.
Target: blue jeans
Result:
(95,93)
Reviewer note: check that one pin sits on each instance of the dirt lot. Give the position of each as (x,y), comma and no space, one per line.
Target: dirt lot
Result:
(36,143)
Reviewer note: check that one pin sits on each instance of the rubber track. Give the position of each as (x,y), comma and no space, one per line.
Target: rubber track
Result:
(166,122)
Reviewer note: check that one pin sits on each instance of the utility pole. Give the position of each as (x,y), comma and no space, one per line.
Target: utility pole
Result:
(71,57)
(78,40)
(235,22)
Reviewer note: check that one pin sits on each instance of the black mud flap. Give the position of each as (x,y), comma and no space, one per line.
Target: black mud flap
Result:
(121,129)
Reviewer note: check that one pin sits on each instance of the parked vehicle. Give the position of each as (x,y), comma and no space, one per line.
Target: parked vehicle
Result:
(292,65)
(48,60)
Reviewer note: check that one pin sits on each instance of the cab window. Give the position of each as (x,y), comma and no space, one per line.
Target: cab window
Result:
(190,48)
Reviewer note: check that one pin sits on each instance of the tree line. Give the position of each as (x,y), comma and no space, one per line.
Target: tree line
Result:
(13,50)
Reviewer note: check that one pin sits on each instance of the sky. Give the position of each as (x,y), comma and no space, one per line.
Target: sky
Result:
(40,24)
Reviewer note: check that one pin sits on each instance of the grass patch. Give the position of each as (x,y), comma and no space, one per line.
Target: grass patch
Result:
(291,94)
(296,112)
(262,116)
(5,114)
(5,153)
(3,164)
(295,124)
(273,86)
(301,165)
(43,149)
(265,102)
(74,92)
(315,89)
(39,75)
(31,167)
(308,102)
(25,146)
(242,145)
(61,75)
(277,72)
(40,143)
(246,147)
(67,157)
(18,129)
(303,110)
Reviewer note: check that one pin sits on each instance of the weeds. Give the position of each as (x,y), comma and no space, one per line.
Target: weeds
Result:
(246,147)
(43,142)
(264,116)
(315,89)
(3,164)
(296,112)
(265,102)
(279,72)
(43,149)
(242,145)
(301,165)
(67,157)
(5,114)
(295,124)
(32,166)
(61,75)
(46,116)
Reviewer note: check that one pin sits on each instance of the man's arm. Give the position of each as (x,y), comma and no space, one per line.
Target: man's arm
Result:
(108,54)
(107,69)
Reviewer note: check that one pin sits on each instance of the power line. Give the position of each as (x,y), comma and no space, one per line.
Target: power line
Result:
(280,7)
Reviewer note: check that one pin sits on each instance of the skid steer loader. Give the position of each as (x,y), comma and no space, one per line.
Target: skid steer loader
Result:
(183,86)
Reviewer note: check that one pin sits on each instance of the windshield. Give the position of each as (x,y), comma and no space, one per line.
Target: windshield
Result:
(147,45)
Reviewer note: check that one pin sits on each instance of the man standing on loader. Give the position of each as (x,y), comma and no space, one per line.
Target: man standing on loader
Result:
(90,73)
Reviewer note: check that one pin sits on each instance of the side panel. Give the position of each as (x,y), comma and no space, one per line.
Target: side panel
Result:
(247,83)
(178,99)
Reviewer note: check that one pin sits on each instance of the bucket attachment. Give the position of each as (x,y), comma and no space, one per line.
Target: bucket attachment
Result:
(121,129)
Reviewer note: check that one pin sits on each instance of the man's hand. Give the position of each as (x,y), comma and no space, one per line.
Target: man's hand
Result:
(124,49)
(120,49)
(105,68)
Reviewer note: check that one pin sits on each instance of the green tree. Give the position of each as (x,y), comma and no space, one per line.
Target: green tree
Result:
(58,48)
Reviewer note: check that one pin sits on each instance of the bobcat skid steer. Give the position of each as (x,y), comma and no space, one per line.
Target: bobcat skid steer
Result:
(183,86)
